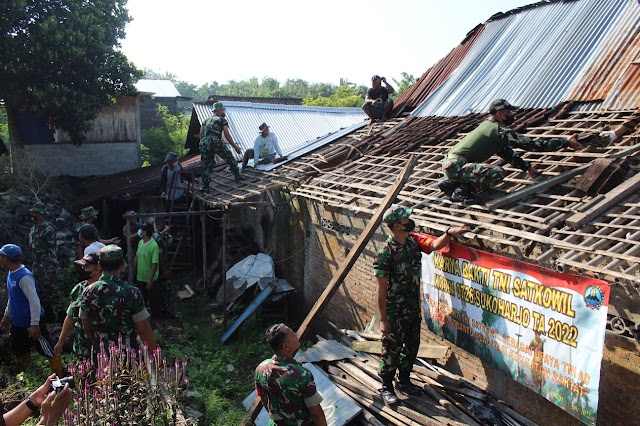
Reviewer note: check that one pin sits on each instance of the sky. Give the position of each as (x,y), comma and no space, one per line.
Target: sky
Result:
(201,41)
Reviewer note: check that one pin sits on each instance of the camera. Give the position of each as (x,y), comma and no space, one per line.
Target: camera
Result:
(57,384)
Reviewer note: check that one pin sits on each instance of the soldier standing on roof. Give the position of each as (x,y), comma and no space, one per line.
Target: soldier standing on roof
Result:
(211,144)
(464,166)
(397,270)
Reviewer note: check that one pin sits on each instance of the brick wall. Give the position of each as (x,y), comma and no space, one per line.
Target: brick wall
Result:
(329,235)
(86,160)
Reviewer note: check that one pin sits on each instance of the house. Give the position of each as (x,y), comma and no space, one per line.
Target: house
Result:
(572,67)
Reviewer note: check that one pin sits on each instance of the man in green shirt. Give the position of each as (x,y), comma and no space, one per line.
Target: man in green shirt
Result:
(147,262)
(464,166)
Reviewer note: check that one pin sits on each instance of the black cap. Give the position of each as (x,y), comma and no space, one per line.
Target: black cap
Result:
(148,228)
(499,104)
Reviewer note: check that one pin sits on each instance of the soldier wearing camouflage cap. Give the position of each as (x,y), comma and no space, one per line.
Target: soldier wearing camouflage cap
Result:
(465,169)
(211,144)
(287,389)
(397,270)
(111,307)
(42,250)
(89,216)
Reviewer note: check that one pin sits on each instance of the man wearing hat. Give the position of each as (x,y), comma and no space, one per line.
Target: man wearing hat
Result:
(464,166)
(170,182)
(211,144)
(265,148)
(397,270)
(111,307)
(89,273)
(42,247)
(377,104)
(24,314)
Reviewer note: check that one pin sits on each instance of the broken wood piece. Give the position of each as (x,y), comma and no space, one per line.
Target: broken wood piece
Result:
(425,351)
(609,200)
(513,413)
(448,405)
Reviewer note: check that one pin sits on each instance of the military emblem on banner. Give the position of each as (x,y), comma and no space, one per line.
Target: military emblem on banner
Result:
(594,297)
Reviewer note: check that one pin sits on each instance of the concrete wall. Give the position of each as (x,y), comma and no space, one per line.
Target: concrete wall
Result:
(328,235)
(86,160)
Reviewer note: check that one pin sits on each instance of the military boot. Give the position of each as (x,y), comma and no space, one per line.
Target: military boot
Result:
(388,394)
(405,386)
(448,186)
(238,177)
(22,362)
(204,187)
(464,195)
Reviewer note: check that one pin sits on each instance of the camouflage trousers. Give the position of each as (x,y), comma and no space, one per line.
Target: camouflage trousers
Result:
(209,147)
(479,175)
(400,348)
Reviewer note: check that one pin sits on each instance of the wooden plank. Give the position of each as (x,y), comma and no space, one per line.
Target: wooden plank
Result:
(610,199)
(425,350)
(326,350)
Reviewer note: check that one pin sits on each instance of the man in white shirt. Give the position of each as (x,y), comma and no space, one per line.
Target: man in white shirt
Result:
(88,236)
(265,148)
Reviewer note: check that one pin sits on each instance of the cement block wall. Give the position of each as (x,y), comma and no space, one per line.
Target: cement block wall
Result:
(329,234)
(89,159)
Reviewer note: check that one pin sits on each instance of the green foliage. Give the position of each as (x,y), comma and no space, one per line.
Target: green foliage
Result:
(347,95)
(156,142)
(401,86)
(61,58)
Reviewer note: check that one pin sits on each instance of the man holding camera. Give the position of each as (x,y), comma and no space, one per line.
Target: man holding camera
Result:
(377,104)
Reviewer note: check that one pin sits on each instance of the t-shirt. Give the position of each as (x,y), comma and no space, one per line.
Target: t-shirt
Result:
(265,146)
(148,253)
(94,247)
(381,93)
(174,183)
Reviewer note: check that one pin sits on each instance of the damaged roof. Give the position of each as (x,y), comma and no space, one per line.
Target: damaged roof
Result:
(159,88)
(295,125)
(543,54)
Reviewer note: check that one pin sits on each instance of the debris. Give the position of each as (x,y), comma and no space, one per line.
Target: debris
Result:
(250,309)
(251,269)
(186,293)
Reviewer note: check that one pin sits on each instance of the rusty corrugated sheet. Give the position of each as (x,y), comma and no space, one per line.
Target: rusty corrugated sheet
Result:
(612,76)
(436,75)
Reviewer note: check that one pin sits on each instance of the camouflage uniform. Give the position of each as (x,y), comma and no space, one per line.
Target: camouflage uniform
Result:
(211,144)
(81,343)
(401,264)
(112,307)
(465,162)
(289,389)
(42,246)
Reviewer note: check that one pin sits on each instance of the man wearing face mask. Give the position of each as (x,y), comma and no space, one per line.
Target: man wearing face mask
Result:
(42,248)
(146,265)
(464,166)
(88,273)
(397,270)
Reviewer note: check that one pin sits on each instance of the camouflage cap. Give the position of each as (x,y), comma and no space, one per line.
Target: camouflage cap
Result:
(110,252)
(500,104)
(218,105)
(88,212)
(396,213)
(38,208)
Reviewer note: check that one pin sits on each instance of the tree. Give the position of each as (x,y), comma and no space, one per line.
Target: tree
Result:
(156,142)
(407,81)
(347,95)
(60,59)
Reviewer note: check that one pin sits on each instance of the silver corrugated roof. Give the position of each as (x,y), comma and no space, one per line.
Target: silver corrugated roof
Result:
(534,57)
(296,126)
(159,88)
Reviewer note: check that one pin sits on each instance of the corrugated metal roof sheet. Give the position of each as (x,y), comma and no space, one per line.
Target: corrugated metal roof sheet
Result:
(535,56)
(295,126)
(256,100)
(159,88)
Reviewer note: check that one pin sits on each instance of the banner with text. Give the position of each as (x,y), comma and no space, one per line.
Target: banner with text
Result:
(543,328)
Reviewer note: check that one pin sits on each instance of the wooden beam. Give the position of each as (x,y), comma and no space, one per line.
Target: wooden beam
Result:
(610,199)
(353,255)
(535,188)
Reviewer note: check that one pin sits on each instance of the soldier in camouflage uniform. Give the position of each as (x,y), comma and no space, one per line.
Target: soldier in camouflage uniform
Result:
(464,166)
(42,248)
(89,216)
(285,387)
(211,144)
(111,307)
(89,273)
(397,271)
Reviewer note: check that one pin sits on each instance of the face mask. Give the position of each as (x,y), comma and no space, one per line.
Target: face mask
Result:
(508,120)
(139,233)
(84,275)
(409,226)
